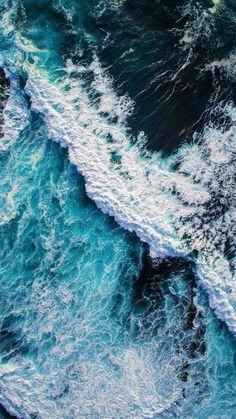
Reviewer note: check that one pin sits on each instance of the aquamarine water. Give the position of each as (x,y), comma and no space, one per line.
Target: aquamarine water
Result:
(90,325)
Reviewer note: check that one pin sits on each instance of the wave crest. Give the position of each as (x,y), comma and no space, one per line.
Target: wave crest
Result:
(175,211)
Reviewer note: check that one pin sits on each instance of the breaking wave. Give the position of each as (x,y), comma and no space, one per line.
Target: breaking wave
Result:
(96,340)
(175,211)
(180,205)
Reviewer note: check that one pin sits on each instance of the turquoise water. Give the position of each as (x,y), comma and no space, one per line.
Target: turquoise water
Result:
(81,335)
(90,325)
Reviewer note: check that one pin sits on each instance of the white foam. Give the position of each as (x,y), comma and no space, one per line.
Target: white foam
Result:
(132,394)
(136,188)
(142,191)
(131,189)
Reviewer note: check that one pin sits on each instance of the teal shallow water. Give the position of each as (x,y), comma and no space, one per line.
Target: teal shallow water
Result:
(81,334)
(64,265)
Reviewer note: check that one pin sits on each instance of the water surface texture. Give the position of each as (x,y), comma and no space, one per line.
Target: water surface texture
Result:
(117,209)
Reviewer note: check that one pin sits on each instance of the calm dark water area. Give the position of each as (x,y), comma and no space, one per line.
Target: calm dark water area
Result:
(161,56)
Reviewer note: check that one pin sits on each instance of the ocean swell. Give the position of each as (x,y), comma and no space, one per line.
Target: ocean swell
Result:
(182,205)
(175,211)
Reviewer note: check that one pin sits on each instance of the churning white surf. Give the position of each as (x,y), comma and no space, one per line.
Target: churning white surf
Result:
(170,210)
(175,211)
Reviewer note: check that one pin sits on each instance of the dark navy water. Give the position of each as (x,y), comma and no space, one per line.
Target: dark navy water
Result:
(160,53)
(91,324)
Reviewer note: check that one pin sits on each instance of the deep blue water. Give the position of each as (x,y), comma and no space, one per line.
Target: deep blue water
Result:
(91,324)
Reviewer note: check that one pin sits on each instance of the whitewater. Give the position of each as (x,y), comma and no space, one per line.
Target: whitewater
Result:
(170,209)
(112,253)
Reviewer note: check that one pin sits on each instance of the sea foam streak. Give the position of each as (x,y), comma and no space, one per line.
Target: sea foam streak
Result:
(122,183)
(175,212)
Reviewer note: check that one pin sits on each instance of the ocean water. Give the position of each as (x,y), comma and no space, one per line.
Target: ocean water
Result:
(117,209)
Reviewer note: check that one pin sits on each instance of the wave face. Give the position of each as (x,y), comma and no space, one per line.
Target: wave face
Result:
(90,325)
